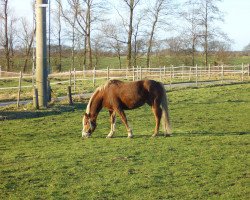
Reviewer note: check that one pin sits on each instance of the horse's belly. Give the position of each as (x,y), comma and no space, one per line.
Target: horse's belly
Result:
(130,103)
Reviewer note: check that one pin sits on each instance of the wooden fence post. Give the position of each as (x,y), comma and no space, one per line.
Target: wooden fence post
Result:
(49,91)
(140,73)
(190,71)
(107,73)
(160,74)
(171,76)
(248,69)
(19,88)
(242,72)
(133,73)
(35,98)
(74,79)
(70,96)
(209,71)
(182,72)
(196,75)
(70,77)
(222,74)
(94,76)
(127,73)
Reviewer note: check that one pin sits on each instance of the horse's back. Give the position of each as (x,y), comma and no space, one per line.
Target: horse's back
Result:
(130,95)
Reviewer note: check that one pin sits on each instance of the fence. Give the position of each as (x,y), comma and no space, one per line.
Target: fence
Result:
(168,75)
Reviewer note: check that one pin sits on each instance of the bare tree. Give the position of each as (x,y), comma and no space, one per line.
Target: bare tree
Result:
(58,27)
(131,5)
(27,38)
(161,8)
(192,25)
(210,13)
(114,36)
(5,17)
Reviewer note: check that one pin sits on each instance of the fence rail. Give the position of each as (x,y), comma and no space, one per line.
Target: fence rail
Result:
(18,85)
(169,74)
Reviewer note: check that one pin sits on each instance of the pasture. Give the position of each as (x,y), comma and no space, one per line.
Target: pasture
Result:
(44,157)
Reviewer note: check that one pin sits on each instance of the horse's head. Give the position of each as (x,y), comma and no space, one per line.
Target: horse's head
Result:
(89,125)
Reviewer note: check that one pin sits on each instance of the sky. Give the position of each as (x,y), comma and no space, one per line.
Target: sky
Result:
(236,19)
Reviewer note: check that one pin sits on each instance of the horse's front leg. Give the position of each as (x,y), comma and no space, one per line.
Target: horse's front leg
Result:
(125,121)
(112,122)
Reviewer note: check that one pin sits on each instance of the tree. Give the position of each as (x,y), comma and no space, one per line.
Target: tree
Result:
(247,48)
(155,13)
(5,17)
(192,25)
(58,24)
(209,13)
(131,5)
(27,38)
(114,37)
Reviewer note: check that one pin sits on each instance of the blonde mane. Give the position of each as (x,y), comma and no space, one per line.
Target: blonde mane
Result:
(99,89)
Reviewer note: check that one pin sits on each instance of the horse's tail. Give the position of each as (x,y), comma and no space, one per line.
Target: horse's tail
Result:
(165,114)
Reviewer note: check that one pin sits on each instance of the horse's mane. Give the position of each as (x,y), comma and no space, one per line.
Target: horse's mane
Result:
(99,89)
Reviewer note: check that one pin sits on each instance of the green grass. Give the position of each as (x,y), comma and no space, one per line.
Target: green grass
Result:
(113,62)
(44,157)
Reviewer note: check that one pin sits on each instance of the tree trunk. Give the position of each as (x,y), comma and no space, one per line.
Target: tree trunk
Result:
(151,41)
(6,45)
(130,31)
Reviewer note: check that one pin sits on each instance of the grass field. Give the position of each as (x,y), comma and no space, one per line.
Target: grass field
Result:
(113,62)
(44,157)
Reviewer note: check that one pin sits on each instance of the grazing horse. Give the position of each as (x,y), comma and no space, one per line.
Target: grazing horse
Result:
(118,96)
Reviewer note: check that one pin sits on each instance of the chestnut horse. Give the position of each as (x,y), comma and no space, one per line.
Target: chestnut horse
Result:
(118,96)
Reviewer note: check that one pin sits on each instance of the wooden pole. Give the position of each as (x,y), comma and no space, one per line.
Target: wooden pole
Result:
(133,73)
(222,74)
(70,77)
(209,71)
(182,72)
(190,71)
(19,89)
(49,91)
(248,69)
(160,74)
(140,73)
(107,73)
(242,72)
(74,79)
(171,76)
(94,76)
(196,75)
(35,98)
(70,96)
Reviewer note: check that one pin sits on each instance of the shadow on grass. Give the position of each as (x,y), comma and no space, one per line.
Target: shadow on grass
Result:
(53,110)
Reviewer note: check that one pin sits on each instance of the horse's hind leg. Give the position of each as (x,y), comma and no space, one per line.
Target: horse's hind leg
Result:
(125,121)
(112,122)
(157,113)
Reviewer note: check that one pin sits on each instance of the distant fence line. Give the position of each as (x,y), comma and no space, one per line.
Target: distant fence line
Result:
(169,75)
(137,73)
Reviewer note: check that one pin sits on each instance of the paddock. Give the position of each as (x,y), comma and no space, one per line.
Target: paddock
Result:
(43,155)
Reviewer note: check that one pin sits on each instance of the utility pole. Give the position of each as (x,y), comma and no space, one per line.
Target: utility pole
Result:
(41,53)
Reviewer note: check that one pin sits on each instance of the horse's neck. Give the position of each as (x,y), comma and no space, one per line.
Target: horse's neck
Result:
(96,106)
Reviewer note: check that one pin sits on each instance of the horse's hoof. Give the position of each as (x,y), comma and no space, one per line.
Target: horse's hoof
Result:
(109,136)
(130,136)
(168,135)
(154,135)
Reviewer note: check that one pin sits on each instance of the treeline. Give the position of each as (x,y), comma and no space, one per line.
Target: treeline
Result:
(135,29)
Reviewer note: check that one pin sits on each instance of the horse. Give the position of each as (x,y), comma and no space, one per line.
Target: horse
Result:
(118,96)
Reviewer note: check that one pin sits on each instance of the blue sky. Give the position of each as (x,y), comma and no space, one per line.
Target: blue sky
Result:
(236,24)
